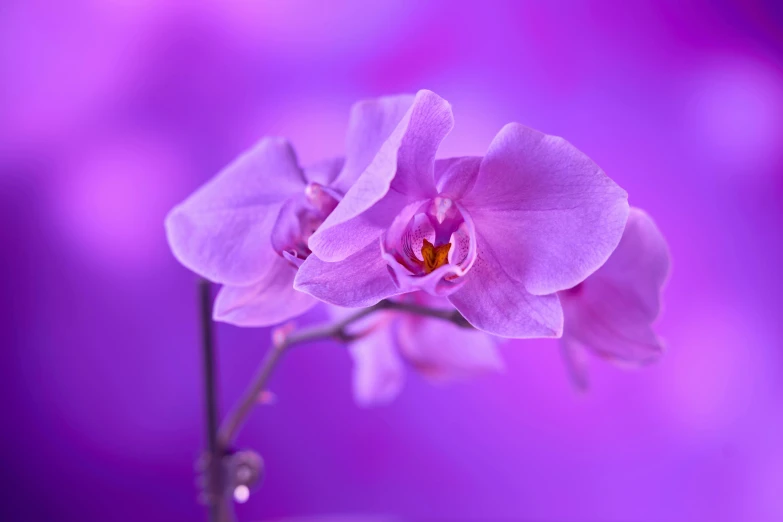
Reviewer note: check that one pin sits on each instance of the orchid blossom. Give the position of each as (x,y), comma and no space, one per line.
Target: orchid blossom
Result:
(497,236)
(248,228)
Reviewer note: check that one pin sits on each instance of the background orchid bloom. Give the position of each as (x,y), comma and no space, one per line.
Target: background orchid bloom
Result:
(248,227)
(439,350)
(612,311)
(497,235)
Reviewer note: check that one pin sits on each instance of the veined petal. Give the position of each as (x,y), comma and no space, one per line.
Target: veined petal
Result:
(269,301)
(354,235)
(378,371)
(404,162)
(548,212)
(492,301)
(357,281)
(222,231)
(612,311)
(371,122)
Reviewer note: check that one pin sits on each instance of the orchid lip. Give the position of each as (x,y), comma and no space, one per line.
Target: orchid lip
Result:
(438,266)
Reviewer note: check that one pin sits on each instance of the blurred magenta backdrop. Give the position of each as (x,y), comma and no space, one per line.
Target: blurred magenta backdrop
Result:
(113,111)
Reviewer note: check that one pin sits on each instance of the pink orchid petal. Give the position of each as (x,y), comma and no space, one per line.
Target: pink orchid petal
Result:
(612,311)
(371,122)
(378,372)
(435,283)
(222,231)
(548,212)
(492,301)
(455,177)
(442,350)
(404,162)
(270,301)
(359,280)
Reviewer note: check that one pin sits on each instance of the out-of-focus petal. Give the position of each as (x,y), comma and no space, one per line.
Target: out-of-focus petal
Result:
(378,372)
(371,122)
(324,172)
(359,280)
(613,333)
(612,311)
(443,350)
(574,359)
(405,163)
(222,231)
(492,301)
(549,213)
(639,266)
(454,177)
(270,301)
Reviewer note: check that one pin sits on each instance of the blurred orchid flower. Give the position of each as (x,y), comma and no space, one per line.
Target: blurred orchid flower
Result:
(440,350)
(248,227)
(498,236)
(612,311)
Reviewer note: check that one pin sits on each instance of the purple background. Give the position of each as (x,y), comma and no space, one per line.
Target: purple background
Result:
(111,112)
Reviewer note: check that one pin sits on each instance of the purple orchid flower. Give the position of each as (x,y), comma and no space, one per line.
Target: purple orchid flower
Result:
(498,236)
(248,228)
(439,350)
(611,312)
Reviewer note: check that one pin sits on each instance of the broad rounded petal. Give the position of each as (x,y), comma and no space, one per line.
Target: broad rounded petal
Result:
(442,350)
(324,172)
(492,301)
(404,162)
(357,281)
(345,239)
(550,214)
(270,301)
(371,122)
(612,311)
(222,231)
(454,177)
(378,371)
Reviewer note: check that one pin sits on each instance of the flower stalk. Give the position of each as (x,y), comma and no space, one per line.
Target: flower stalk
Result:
(288,339)
(219,441)
(220,509)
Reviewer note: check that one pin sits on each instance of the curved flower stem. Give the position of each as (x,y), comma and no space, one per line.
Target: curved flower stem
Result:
(338,331)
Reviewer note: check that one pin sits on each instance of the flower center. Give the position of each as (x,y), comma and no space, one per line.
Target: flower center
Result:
(430,246)
(434,257)
(431,239)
